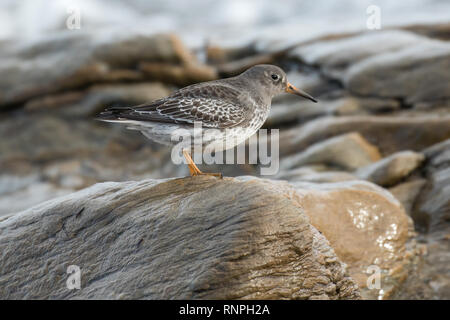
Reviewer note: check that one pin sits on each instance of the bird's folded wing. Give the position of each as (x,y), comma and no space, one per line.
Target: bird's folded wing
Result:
(215,106)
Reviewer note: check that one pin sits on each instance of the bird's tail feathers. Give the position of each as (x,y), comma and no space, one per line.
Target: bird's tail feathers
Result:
(112,114)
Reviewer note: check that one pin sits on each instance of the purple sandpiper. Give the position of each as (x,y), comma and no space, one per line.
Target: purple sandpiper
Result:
(236,107)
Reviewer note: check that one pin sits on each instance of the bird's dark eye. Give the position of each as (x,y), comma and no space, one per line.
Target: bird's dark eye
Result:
(275,77)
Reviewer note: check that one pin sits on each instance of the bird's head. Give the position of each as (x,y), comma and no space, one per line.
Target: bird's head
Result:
(274,79)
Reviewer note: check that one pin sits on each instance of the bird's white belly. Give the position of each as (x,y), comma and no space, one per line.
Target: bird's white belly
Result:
(226,139)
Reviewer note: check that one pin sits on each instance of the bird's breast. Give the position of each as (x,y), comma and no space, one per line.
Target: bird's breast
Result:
(259,115)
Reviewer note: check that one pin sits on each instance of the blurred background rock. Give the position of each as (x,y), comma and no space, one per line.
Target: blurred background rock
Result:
(383,114)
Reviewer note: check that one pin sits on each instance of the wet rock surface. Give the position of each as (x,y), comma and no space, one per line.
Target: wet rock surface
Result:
(383,117)
(365,225)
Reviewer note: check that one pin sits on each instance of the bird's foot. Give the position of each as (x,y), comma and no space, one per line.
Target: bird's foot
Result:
(215,174)
(194,170)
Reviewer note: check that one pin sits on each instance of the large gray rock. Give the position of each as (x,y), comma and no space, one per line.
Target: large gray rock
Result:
(72,60)
(416,73)
(188,238)
(335,56)
(385,64)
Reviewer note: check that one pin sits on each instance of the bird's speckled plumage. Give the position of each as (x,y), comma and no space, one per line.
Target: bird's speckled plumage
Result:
(236,106)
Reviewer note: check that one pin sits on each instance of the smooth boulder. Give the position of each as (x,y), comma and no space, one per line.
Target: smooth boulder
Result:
(349,151)
(190,238)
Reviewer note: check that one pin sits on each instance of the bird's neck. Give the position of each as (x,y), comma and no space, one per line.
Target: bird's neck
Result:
(260,97)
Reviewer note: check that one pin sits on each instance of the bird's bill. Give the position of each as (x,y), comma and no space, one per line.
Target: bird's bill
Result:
(291,89)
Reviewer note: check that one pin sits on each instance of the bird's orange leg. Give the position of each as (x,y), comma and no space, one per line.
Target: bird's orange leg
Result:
(194,170)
